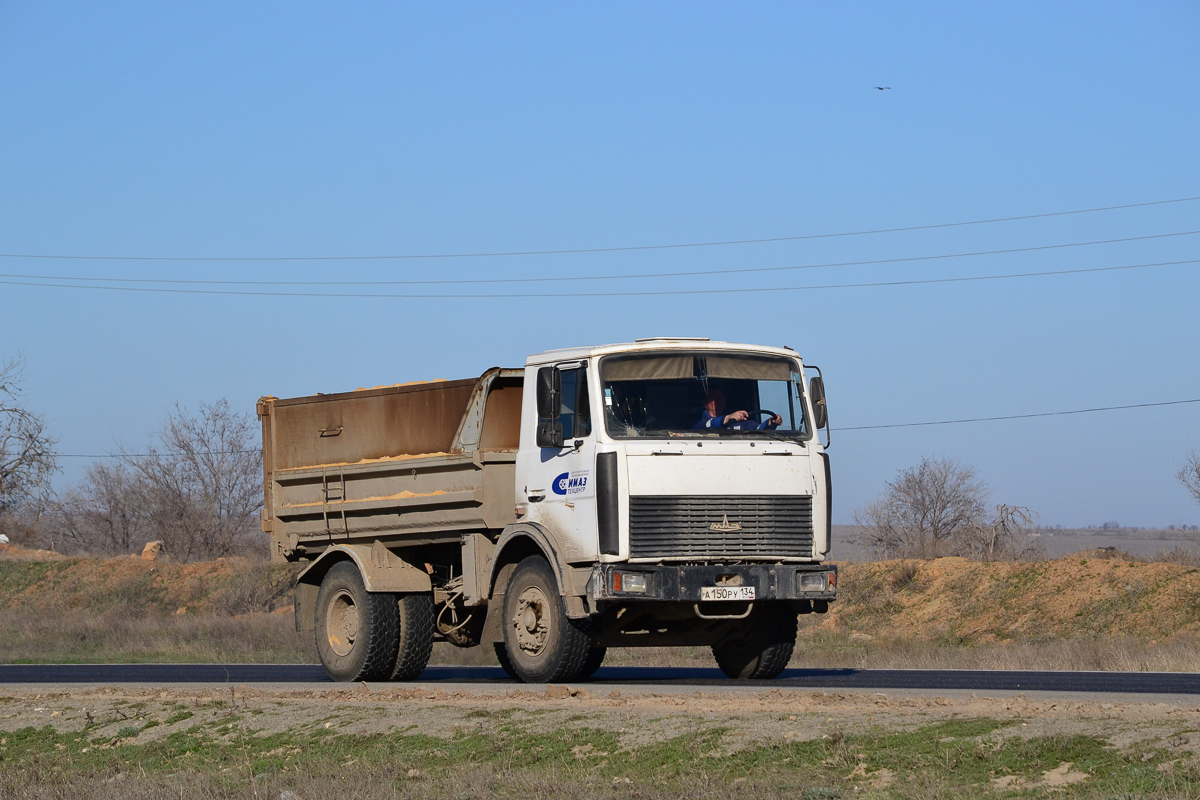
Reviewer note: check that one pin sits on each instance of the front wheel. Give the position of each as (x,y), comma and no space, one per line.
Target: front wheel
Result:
(357,631)
(541,642)
(595,658)
(762,648)
(502,657)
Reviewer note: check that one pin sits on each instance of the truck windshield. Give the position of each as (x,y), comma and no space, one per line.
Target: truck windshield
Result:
(703,395)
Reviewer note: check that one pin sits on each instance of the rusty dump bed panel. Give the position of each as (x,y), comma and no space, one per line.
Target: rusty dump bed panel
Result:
(408,464)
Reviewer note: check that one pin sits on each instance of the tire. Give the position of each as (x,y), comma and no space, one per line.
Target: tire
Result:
(541,643)
(415,635)
(762,649)
(502,657)
(595,658)
(357,631)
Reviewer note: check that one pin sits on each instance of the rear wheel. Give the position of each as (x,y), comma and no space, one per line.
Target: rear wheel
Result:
(416,635)
(541,643)
(762,648)
(357,631)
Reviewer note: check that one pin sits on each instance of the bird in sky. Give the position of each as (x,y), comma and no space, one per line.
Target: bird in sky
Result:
(883,88)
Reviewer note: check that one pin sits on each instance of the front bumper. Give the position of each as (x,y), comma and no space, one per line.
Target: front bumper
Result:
(682,583)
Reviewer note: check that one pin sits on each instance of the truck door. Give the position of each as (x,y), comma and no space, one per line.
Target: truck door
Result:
(566,470)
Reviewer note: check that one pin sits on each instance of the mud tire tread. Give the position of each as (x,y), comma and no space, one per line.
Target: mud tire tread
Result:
(593,662)
(415,629)
(505,662)
(574,641)
(379,628)
(765,650)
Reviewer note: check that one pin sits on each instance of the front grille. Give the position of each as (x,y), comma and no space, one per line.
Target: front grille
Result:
(681,526)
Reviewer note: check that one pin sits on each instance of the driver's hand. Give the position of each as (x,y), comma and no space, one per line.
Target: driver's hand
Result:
(776,421)
(738,416)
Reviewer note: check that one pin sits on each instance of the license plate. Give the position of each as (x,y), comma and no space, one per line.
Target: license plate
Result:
(726,592)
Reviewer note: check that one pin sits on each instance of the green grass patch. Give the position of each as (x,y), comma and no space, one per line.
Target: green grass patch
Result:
(958,757)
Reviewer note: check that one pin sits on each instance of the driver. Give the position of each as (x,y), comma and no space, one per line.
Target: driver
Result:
(715,417)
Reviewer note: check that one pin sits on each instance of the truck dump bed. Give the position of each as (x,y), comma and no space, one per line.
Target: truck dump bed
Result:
(411,463)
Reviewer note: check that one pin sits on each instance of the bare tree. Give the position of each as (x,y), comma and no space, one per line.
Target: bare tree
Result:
(939,508)
(201,485)
(1009,534)
(925,510)
(27,459)
(104,514)
(1189,474)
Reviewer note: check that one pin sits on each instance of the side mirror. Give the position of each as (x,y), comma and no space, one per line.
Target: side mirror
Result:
(549,390)
(816,393)
(550,434)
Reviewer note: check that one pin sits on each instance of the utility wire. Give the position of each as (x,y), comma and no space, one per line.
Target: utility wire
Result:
(647,293)
(627,276)
(623,249)
(839,430)
(1017,416)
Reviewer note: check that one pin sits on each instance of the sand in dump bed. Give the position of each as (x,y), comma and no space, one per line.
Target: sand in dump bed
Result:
(398,496)
(403,457)
(394,385)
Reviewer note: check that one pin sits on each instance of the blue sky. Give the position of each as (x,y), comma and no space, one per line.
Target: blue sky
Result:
(303,130)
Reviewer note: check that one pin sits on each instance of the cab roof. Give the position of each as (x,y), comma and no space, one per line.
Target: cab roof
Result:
(657,344)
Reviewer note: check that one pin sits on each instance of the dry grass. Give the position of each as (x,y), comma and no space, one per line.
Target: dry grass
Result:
(130,610)
(116,636)
(1101,612)
(373,782)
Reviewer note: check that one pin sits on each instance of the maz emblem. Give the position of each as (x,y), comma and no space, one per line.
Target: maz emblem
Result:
(725,526)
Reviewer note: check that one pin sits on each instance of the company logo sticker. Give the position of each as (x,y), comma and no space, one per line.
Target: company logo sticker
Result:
(570,483)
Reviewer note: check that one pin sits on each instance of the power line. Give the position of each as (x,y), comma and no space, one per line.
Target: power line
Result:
(647,293)
(839,430)
(627,276)
(1017,416)
(581,250)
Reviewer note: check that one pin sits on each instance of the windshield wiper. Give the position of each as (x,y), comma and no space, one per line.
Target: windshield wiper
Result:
(779,437)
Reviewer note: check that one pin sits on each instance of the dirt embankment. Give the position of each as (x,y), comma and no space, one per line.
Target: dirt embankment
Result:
(40,580)
(949,600)
(958,601)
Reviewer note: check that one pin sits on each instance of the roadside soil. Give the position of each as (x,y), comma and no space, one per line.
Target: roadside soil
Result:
(565,741)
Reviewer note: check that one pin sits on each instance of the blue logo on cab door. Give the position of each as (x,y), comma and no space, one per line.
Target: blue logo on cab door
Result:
(571,482)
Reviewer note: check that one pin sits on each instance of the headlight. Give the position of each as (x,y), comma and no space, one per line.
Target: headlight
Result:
(629,582)
(812,581)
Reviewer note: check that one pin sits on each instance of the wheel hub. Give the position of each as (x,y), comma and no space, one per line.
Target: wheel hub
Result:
(341,623)
(531,621)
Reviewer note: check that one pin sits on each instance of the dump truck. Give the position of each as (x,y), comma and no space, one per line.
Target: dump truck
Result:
(665,492)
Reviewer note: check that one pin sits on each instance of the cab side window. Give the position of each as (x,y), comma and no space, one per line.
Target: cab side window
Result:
(574,412)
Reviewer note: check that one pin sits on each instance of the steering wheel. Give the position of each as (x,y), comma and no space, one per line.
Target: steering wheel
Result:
(764,412)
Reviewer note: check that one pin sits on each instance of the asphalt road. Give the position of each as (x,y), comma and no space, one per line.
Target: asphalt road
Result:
(932,680)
